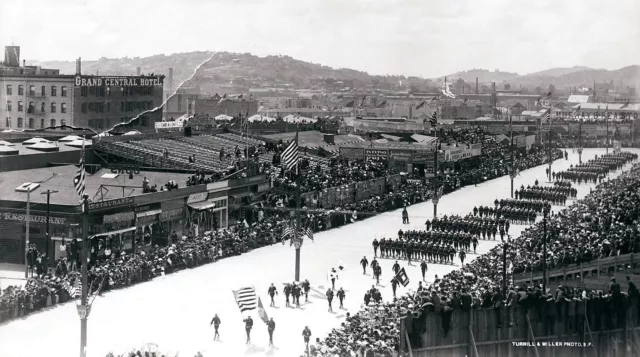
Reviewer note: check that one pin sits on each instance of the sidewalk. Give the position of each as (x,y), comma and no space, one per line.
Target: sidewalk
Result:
(11,274)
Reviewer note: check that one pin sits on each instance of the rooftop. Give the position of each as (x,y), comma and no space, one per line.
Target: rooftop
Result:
(60,178)
(24,149)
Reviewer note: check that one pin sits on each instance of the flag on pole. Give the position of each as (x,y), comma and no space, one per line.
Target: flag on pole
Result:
(349,105)
(289,156)
(79,178)
(433,120)
(402,277)
(308,232)
(286,232)
(248,300)
(381,105)
(546,117)
(421,104)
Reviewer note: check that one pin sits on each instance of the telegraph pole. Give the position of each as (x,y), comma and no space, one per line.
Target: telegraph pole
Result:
(83,308)
(48,236)
(580,141)
(436,187)
(513,173)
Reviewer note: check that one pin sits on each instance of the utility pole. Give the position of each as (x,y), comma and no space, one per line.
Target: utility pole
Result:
(544,250)
(48,236)
(550,151)
(606,120)
(505,246)
(513,172)
(580,141)
(83,308)
(437,192)
(297,243)
(26,239)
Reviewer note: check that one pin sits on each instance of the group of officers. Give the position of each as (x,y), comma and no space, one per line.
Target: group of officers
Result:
(596,170)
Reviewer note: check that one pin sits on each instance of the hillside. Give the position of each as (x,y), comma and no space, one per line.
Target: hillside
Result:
(234,72)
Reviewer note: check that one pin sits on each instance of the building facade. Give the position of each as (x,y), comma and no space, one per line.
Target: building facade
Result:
(215,106)
(102,102)
(32,97)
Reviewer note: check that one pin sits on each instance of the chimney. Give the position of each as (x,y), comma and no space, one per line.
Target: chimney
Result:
(476,85)
(79,65)
(411,111)
(493,86)
(170,79)
(24,65)
(138,71)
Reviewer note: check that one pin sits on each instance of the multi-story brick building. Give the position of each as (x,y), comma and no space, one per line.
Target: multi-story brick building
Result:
(32,97)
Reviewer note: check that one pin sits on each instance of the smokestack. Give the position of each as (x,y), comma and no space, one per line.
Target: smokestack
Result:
(170,79)
(493,86)
(137,71)
(411,111)
(476,85)
(24,65)
(79,65)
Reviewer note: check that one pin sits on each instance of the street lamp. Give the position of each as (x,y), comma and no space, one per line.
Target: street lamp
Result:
(48,236)
(27,187)
(580,140)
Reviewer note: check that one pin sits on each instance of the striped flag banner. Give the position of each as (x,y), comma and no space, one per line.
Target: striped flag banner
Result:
(289,156)
(309,233)
(248,300)
(546,118)
(287,232)
(433,120)
(80,176)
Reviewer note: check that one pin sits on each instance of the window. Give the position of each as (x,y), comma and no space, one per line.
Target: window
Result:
(122,106)
(63,107)
(42,107)
(108,106)
(31,123)
(54,91)
(83,107)
(32,90)
(53,107)
(53,122)
(9,89)
(21,90)
(9,106)
(41,123)
(43,91)
(63,122)
(8,122)
(20,107)
(19,122)
(31,108)
(63,91)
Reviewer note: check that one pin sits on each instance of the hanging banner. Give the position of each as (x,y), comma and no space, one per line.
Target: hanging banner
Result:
(375,154)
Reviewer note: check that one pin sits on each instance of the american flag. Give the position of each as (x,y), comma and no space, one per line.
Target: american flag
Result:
(287,232)
(546,117)
(308,232)
(433,120)
(248,300)
(75,290)
(289,156)
(79,178)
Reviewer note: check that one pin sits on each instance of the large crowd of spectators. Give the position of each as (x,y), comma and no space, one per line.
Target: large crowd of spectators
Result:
(603,224)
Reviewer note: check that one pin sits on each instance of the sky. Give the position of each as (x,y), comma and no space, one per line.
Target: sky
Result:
(409,37)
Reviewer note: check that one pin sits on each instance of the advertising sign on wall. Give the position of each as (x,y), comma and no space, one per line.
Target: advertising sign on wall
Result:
(352,153)
(375,154)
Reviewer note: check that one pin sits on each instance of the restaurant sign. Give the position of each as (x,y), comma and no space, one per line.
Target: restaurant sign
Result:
(33,219)
(105,205)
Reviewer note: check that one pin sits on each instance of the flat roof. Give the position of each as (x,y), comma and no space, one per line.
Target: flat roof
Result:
(60,178)
(24,150)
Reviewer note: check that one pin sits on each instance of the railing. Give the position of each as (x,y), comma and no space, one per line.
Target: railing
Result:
(580,271)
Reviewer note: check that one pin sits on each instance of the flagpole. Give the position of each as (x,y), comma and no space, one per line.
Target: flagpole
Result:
(606,119)
(83,309)
(513,172)
(550,157)
(298,219)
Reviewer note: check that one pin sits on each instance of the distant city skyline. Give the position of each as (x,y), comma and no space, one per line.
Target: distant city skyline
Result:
(412,38)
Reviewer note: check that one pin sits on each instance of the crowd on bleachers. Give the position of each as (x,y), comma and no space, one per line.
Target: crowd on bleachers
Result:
(602,224)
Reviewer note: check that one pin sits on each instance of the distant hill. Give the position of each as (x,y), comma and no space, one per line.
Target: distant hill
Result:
(226,72)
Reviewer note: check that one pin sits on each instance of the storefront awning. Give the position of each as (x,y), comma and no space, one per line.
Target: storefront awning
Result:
(242,195)
(148,213)
(202,205)
(119,231)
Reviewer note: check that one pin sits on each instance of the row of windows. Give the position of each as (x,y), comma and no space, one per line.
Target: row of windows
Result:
(102,107)
(31,123)
(124,91)
(42,93)
(32,107)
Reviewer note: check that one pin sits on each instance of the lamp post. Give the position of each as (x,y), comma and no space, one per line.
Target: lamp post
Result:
(513,173)
(48,236)
(544,249)
(437,189)
(27,187)
(580,141)
(84,308)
